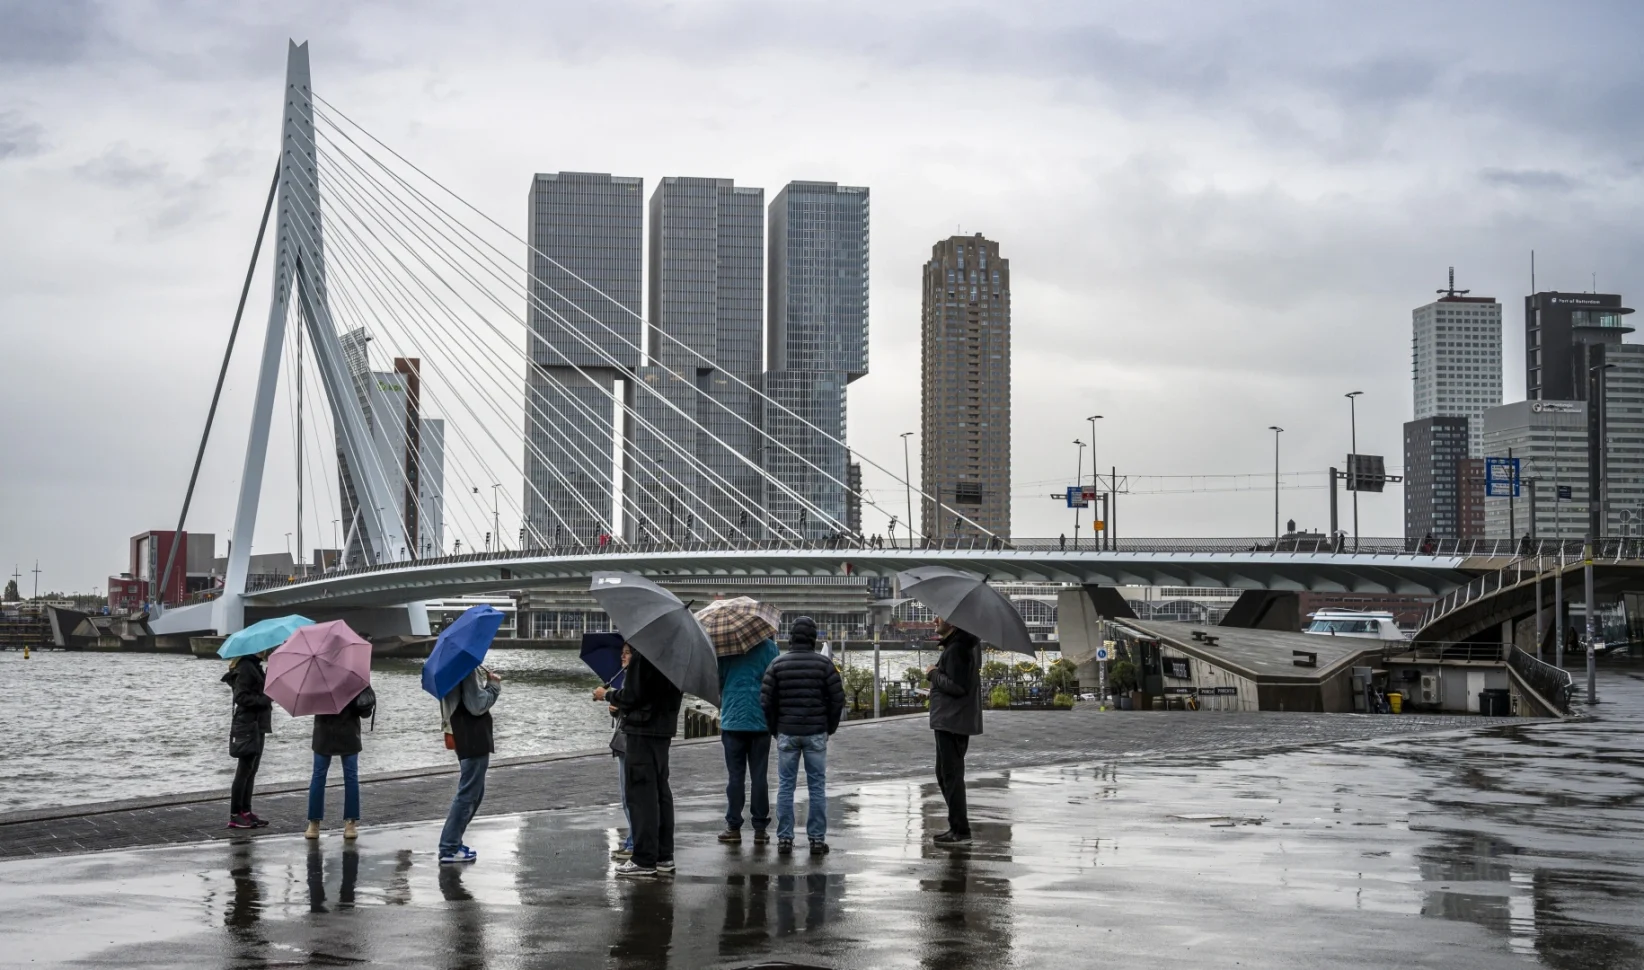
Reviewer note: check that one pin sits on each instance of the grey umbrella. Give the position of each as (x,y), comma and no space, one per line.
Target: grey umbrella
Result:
(660,627)
(969,603)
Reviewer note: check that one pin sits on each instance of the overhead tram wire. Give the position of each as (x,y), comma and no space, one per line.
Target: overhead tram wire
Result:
(824,472)
(740,499)
(349,291)
(823,515)
(725,487)
(594,513)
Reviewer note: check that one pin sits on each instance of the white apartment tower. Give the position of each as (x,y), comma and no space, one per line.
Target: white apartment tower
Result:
(1455,359)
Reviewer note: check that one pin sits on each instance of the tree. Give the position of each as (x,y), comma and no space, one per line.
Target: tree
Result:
(12,595)
(858,682)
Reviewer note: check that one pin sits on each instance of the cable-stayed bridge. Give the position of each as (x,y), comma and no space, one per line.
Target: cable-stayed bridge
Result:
(428,359)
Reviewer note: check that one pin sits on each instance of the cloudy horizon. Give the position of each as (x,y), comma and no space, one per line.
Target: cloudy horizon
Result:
(1218,217)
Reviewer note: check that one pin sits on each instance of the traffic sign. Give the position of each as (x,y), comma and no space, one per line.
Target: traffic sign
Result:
(1079,496)
(1101,653)
(1501,477)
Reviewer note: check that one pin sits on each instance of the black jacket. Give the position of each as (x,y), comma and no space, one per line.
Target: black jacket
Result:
(339,734)
(956,685)
(648,701)
(801,693)
(253,712)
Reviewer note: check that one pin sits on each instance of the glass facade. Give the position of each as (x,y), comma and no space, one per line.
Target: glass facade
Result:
(817,343)
(583,312)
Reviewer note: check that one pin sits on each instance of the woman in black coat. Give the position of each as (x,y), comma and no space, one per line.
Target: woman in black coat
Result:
(338,736)
(252,720)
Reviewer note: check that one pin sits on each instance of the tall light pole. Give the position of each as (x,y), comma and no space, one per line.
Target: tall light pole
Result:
(1095,471)
(1353,460)
(1276,432)
(496,518)
(1079,479)
(907,485)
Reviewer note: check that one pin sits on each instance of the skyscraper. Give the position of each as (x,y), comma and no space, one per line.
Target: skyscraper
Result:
(964,445)
(584,335)
(1555,324)
(817,343)
(1438,475)
(706,313)
(1455,359)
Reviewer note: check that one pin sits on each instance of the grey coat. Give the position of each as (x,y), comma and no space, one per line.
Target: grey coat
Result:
(956,686)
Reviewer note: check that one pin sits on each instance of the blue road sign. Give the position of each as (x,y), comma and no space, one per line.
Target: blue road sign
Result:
(1079,496)
(1501,477)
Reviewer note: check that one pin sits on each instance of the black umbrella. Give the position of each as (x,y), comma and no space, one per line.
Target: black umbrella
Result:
(969,603)
(662,629)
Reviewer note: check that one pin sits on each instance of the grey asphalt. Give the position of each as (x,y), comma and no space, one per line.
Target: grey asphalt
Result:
(1184,839)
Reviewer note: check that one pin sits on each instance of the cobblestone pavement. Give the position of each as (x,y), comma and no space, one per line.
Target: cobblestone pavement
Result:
(862,752)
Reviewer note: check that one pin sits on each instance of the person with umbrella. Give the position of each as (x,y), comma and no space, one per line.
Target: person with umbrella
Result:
(467,692)
(803,701)
(606,655)
(741,629)
(252,709)
(671,654)
(968,610)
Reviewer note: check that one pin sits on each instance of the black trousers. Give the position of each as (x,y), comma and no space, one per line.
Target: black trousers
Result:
(650,800)
(245,778)
(747,757)
(950,777)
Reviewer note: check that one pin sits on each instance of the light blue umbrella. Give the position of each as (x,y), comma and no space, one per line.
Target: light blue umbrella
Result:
(263,635)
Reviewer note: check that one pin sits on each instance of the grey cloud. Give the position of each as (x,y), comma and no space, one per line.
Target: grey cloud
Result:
(51,33)
(1535,180)
(19,138)
(167,199)
(116,167)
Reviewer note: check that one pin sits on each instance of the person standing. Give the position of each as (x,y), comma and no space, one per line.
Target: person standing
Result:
(252,720)
(466,713)
(338,736)
(955,715)
(803,700)
(619,750)
(746,739)
(649,705)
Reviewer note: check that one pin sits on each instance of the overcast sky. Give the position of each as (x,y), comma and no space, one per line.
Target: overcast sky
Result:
(1218,215)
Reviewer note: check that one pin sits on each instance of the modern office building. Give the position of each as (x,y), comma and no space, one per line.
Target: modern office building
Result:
(705,304)
(584,335)
(1438,476)
(1555,325)
(1549,438)
(1455,359)
(1619,426)
(964,444)
(816,344)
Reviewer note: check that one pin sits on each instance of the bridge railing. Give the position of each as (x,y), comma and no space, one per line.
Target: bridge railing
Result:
(1436,650)
(1535,557)
(1608,549)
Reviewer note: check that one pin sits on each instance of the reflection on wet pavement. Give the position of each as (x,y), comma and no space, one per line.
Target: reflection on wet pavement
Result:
(1508,846)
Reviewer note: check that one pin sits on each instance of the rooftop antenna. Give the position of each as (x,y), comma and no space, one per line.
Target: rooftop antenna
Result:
(1532,271)
(1451,291)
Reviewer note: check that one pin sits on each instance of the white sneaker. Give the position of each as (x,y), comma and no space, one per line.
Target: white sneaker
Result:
(632,871)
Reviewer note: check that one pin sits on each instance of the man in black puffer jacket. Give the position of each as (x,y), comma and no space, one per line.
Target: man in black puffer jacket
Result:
(803,701)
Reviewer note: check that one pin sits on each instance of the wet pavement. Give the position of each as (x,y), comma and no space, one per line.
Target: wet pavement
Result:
(1507,846)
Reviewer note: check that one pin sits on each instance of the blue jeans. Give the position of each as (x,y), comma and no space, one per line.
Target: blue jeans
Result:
(622,796)
(351,787)
(814,748)
(747,756)
(470,792)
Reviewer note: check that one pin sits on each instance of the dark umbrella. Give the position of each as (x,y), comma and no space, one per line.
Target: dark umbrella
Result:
(969,603)
(460,649)
(654,622)
(602,652)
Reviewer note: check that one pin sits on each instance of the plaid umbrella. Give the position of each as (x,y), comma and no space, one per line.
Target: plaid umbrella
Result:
(739,624)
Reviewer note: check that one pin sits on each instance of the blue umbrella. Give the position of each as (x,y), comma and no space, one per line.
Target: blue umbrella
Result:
(263,635)
(460,648)
(602,652)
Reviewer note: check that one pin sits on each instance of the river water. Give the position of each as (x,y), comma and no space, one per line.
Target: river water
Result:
(87,727)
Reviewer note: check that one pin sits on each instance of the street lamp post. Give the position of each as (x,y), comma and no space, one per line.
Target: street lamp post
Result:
(1353,460)
(496,518)
(907,485)
(1095,480)
(1276,432)
(1079,479)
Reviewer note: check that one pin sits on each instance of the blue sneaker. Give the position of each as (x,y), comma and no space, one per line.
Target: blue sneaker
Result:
(461,854)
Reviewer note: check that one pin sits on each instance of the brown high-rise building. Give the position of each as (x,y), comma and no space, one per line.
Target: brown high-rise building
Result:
(965,421)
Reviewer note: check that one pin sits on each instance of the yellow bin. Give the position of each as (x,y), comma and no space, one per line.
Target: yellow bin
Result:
(1395,700)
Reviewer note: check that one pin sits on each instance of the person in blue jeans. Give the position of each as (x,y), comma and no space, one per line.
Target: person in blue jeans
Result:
(803,700)
(466,712)
(338,736)
(747,742)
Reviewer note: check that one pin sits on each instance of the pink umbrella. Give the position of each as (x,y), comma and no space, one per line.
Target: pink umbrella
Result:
(319,670)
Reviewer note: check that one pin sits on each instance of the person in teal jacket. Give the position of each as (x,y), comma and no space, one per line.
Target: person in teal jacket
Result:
(747,741)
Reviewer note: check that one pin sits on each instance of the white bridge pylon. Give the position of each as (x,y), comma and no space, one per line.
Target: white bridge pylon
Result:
(299,273)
